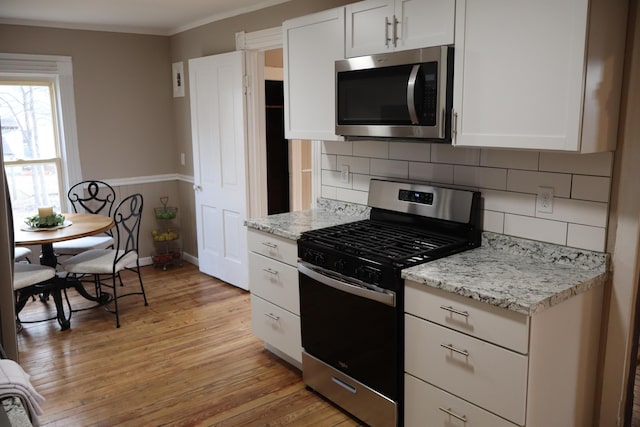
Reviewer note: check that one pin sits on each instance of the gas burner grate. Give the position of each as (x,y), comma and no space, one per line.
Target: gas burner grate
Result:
(388,243)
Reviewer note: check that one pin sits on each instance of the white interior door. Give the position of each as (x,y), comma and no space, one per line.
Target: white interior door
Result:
(218,128)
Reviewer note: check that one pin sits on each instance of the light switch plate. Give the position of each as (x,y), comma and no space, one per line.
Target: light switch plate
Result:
(544,201)
(344,174)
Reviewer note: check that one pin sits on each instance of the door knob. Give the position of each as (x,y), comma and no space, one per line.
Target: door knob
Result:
(197,187)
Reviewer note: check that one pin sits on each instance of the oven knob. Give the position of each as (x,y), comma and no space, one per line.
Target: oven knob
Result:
(318,259)
(339,265)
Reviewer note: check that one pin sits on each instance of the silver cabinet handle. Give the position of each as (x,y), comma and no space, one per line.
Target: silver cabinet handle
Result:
(386,31)
(270,245)
(448,411)
(454,123)
(272,316)
(395,31)
(465,353)
(454,310)
(270,271)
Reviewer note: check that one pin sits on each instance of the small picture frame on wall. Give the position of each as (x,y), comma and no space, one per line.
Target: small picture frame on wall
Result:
(177,73)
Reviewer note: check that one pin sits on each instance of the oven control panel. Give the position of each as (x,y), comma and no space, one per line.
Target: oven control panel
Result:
(422,197)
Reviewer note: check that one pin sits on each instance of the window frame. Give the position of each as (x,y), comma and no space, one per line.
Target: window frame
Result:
(58,70)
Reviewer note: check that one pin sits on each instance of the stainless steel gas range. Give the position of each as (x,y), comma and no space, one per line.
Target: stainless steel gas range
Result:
(352,297)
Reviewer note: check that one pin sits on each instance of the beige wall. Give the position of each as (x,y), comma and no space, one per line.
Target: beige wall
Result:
(122,85)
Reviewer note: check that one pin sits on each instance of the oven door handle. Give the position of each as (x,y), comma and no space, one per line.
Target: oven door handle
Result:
(385,297)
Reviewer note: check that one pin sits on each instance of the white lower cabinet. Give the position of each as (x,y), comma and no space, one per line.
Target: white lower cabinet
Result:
(426,405)
(275,301)
(468,363)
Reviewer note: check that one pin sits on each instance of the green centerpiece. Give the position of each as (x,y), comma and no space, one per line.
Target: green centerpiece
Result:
(48,221)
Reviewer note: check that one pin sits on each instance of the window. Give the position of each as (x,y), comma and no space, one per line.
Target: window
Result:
(37,114)
(30,145)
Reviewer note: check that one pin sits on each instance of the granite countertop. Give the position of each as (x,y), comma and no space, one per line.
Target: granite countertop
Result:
(291,225)
(521,275)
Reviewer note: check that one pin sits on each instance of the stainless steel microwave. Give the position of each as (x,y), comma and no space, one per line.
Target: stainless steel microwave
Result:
(407,94)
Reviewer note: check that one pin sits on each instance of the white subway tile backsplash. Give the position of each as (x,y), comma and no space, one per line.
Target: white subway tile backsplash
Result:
(356,164)
(361,182)
(329,192)
(492,178)
(585,237)
(352,196)
(432,172)
(508,181)
(578,212)
(337,147)
(528,182)
(377,149)
(493,221)
(535,229)
(415,151)
(504,201)
(445,153)
(329,162)
(332,178)
(509,159)
(390,168)
(594,188)
(599,164)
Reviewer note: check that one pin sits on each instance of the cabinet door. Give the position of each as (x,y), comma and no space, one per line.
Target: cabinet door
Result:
(424,23)
(378,26)
(312,44)
(519,73)
(369,27)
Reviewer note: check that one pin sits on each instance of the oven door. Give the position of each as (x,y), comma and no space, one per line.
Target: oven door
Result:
(351,327)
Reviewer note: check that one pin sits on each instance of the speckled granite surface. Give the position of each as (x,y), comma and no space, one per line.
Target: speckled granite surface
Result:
(521,275)
(292,224)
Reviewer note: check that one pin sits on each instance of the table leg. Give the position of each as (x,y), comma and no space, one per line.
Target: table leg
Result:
(62,319)
(48,256)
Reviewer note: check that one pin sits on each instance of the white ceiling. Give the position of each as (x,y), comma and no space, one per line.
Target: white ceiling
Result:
(163,17)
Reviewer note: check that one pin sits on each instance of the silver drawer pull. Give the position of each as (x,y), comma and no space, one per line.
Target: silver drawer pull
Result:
(454,310)
(344,385)
(270,271)
(448,411)
(272,316)
(465,353)
(270,245)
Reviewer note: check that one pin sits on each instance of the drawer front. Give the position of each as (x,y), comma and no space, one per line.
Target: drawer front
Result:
(272,246)
(276,326)
(425,402)
(274,281)
(486,375)
(497,325)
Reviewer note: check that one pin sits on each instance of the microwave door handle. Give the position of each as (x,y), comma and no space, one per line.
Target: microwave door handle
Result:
(411,94)
(442,90)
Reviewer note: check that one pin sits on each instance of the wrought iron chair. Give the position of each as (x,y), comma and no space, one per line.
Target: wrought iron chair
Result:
(105,264)
(21,253)
(98,199)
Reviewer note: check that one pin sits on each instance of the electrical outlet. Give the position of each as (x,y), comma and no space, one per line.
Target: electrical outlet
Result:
(344,174)
(544,201)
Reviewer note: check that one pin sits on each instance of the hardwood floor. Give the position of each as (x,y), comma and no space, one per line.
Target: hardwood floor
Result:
(188,359)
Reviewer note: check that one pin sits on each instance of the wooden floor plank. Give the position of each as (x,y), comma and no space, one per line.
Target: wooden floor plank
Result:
(187,359)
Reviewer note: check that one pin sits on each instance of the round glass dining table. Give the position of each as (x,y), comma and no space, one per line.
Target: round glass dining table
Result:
(76,225)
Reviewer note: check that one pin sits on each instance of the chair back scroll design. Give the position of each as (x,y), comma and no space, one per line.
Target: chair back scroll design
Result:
(98,198)
(127,218)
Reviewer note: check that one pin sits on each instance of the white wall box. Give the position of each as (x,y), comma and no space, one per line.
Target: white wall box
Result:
(378,26)
(539,74)
(275,302)
(311,45)
(460,367)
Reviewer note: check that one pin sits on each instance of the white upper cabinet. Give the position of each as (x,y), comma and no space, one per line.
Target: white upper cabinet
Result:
(538,74)
(312,44)
(377,26)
